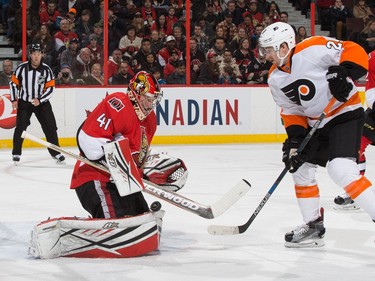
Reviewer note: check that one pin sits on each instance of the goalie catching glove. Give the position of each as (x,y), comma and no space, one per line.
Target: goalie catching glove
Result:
(291,158)
(165,171)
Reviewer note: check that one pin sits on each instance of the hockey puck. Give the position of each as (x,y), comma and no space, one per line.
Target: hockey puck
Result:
(155,206)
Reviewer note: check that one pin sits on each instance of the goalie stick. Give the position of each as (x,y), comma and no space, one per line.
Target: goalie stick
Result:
(207,212)
(233,230)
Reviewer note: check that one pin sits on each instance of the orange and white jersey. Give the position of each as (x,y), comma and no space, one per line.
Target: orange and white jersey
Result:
(370,81)
(300,87)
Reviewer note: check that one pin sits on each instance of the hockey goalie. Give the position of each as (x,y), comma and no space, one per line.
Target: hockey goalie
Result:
(116,134)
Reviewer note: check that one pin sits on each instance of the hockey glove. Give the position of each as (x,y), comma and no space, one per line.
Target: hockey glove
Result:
(340,88)
(291,158)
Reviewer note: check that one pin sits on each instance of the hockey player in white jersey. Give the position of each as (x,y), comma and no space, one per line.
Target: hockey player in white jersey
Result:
(303,79)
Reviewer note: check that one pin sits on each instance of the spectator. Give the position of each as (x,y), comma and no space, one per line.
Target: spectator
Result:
(140,57)
(62,37)
(115,31)
(71,17)
(83,26)
(218,8)
(161,25)
(197,57)
(50,16)
(274,12)
(130,39)
(230,61)
(123,77)
(362,10)
(207,28)
(98,32)
(64,6)
(14,6)
(95,77)
(69,55)
(172,63)
(114,62)
(165,53)
(263,6)
(4,7)
(219,48)
(284,17)
(257,70)
(96,50)
(266,21)
(151,64)
(235,43)
(156,73)
(179,75)
(94,8)
(367,37)
(231,9)
(156,42)
(247,24)
(338,15)
(210,18)
(180,37)
(227,76)
(301,34)
(171,17)
(138,23)
(255,13)
(6,74)
(160,4)
(254,38)
(243,52)
(45,39)
(201,38)
(32,20)
(230,29)
(209,72)
(148,10)
(81,67)
(65,77)
(240,10)
(148,24)
(219,32)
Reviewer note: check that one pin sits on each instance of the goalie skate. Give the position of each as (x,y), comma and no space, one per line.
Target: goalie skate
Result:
(308,235)
(343,202)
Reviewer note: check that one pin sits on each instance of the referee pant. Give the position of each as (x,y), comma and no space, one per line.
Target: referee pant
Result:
(46,118)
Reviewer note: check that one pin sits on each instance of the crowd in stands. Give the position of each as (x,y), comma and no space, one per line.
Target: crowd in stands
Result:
(151,35)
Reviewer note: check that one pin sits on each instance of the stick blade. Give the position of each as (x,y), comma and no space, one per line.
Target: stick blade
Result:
(223,230)
(231,197)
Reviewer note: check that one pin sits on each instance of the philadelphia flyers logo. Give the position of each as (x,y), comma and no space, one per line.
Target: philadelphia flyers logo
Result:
(300,90)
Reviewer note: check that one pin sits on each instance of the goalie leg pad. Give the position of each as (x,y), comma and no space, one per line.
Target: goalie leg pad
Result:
(97,238)
(166,171)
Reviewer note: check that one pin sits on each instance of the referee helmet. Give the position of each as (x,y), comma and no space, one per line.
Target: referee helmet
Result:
(36,48)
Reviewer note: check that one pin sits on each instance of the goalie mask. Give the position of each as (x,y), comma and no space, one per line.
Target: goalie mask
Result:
(144,93)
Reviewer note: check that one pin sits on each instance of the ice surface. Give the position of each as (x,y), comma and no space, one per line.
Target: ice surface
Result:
(38,189)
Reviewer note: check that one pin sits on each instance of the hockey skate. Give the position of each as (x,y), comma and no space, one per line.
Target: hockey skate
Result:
(16,159)
(308,235)
(343,202)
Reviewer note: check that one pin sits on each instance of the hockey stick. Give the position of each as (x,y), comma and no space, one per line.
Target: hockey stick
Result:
(232,230)
(207,212)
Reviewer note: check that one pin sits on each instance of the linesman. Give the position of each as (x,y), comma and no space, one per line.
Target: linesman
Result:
(32,85)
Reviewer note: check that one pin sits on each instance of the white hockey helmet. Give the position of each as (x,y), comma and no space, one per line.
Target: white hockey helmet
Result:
(274,35)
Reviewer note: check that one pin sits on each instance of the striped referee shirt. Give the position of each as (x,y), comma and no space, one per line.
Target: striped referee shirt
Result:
(28,83)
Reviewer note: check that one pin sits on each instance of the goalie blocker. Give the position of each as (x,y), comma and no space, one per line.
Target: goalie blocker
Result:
(97,238)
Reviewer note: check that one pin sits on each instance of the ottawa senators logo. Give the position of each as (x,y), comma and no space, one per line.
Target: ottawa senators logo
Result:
(116,104)
(300,90)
